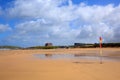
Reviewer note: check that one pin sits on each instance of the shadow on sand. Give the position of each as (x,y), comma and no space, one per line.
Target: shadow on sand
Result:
(77,62)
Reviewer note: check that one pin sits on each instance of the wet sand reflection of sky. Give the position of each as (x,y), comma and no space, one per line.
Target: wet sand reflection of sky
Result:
(74,57)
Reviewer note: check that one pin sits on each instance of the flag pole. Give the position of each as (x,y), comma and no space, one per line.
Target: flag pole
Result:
(100,50)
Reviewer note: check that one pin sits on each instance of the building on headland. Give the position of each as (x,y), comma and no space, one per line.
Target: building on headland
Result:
(79,44)
(83,45)
(48,44)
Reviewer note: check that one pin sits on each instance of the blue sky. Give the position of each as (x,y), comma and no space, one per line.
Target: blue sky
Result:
(98,2)
(61,22)
(5,3)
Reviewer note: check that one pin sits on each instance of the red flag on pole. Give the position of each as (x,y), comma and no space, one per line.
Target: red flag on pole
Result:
(100,42)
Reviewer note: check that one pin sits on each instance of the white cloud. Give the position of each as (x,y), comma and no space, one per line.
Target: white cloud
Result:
(4,28)
(49,20)
(42,30)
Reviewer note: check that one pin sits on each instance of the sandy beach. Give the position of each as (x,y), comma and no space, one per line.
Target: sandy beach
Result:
(22,65)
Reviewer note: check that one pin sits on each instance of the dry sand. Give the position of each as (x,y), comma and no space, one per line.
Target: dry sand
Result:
(22,65)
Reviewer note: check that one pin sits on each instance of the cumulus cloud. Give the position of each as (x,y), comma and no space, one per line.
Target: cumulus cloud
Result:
(42,31)
(4,28)
(60,23)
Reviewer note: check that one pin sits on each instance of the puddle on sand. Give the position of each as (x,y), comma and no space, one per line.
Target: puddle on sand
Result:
(74,57)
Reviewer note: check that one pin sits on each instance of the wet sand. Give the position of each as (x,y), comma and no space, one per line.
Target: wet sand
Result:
(22,65)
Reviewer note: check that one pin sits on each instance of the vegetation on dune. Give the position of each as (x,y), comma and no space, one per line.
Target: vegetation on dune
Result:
(108,45)
(42,47)
(10,47)
(72,46)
